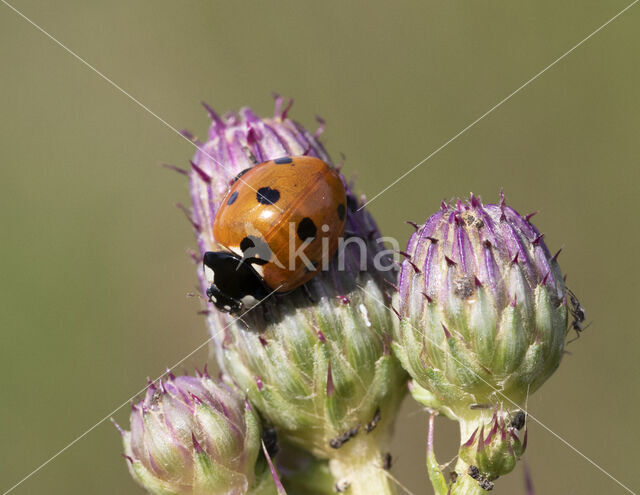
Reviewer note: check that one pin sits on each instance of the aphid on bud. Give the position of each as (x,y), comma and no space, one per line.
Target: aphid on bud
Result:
(340,440)
(518,420)
(370,426)
(577,313)
(270,440)
(387,461)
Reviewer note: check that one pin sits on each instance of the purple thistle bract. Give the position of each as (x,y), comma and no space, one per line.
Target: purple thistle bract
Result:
(483,307)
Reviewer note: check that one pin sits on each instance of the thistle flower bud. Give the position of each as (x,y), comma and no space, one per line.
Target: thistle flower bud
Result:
(495,447)
(190,435)
(316,362)
(483,307)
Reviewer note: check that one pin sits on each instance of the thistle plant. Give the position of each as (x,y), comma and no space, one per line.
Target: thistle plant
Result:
(190,435)
(481,323)
(483,310)
(317,361)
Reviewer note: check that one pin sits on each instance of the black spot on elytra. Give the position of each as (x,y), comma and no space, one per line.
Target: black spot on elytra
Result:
(255,250)
(283,160)
(247,243)
(306,229)
(232,198)
(267,196)
(341,212)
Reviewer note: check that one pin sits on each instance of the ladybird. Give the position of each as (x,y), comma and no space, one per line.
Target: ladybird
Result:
(278,224)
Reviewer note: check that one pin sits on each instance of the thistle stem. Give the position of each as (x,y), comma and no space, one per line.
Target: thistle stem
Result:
(435,473)
(357,468)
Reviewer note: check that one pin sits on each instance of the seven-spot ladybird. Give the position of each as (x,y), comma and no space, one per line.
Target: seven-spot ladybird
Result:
(278,225)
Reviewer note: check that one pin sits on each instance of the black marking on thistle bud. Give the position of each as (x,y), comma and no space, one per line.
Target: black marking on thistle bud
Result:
(449,261)
(555,256)
(514,261)
(387,461)
(518,420)
(263,341)
(453,476)
(426,296)
(433,240)
(403,253)
(530,216)
(413,224)
(340,440)
(371,425)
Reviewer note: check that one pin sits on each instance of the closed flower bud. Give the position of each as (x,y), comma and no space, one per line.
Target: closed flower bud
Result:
(495,447)
(190,435)
(483,307)
(315,361)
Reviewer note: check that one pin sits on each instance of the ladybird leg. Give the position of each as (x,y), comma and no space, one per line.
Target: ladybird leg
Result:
(307,292)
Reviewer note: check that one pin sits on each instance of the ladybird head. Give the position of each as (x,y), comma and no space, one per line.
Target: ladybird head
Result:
(230,280)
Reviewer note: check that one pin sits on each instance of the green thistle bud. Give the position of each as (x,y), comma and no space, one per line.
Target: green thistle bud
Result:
(190,435)
(495,447)
(315,362)
(483,308)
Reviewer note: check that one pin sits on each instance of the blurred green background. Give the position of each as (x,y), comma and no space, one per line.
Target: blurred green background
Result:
(94,269)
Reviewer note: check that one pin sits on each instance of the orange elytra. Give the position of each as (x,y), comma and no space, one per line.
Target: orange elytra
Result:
(278,225)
